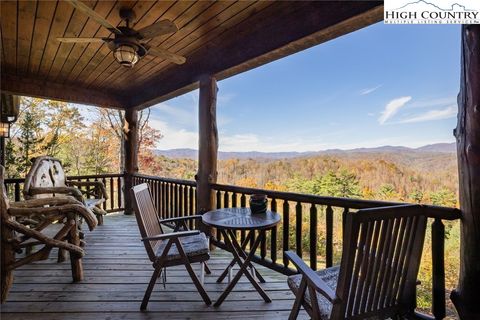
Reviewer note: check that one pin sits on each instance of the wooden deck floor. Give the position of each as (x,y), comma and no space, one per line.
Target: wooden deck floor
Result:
(117,271)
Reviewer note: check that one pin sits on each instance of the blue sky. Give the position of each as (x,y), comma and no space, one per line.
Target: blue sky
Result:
(382,85)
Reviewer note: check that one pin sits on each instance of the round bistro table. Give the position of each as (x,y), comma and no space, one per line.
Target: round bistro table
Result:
(229,220)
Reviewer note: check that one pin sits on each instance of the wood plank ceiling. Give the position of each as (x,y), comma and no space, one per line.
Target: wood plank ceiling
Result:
(217,37)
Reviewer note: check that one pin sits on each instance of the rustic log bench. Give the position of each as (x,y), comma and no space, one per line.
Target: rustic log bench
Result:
(46,178)
(24,224)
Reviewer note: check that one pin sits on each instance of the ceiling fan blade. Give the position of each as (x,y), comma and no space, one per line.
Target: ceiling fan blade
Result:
(167,55)
(93,15)
(157,29)
(83,40)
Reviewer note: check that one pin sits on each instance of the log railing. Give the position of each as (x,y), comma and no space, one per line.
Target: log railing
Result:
(312,226)
(172,197)
(113,183)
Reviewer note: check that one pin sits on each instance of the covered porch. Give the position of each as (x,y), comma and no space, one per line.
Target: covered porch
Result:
(117,270)
(219,40)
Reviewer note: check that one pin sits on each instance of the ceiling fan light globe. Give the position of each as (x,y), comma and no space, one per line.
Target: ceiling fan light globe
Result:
(126,55)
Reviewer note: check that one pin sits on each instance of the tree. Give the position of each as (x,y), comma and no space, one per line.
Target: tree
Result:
(147,136)
(29,141)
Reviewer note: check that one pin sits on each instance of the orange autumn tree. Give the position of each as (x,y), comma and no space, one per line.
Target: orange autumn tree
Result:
(147,138)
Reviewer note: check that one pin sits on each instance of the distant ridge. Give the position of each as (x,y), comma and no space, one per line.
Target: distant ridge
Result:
(193,154)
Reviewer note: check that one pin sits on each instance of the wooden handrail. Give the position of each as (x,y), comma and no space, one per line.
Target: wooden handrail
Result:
(191,183)
(431,211)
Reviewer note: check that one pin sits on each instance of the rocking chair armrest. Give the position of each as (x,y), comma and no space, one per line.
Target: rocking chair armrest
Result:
(171,235)
(178,219)
(97,184)
(41,202)
(312,278)
(63,190)
(78,208)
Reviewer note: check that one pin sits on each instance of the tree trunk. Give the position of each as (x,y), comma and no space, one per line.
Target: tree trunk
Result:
(466,297)
(131,156)
(208,145)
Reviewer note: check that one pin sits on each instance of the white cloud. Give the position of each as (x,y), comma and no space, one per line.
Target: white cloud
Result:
(174,138)
(441,102)
(392,108)
(431,115)
(369,90)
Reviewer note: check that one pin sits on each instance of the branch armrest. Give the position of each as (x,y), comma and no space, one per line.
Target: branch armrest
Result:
(97,184)
(186,218)
(79,209)
(312,278)
(171,235)
(41,202)
(63,190)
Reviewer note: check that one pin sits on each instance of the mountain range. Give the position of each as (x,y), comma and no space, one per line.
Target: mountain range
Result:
(223,155)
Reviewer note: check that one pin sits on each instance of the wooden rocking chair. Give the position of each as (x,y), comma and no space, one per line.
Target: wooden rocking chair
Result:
(378,272)
(60,213)
(180,247)
(46,178)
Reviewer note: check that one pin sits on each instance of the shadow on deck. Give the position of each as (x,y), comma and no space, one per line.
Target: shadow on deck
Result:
(117,271)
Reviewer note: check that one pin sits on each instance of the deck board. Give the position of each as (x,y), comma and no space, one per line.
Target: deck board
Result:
(117,271)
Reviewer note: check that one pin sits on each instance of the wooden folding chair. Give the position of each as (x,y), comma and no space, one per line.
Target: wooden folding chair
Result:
(378,272)
(182,246)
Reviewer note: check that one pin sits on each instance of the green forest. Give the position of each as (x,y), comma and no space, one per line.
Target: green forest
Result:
(91,142)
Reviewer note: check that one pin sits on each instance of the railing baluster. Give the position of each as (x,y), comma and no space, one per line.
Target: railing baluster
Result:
(313,236)
(273,237)
(104,205)
(159,197)
(192,205)
(185,200)
(180,201)
(243,204)
(286,231)
(234,199)
(225,200)
(112,197)
(119,193)
(329,236)
(164,199)
(263,245)
(218,195)
(438,269)
(298,228)
(17,191)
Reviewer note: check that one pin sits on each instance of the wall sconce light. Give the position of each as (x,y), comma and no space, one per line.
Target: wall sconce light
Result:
(4,129)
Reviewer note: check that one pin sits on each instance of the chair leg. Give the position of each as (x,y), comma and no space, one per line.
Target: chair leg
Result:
(202,272)
(298,300)
(151,284)
(192,274)
(207,269)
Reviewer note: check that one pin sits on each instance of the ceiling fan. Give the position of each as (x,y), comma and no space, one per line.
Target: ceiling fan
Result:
(127,45)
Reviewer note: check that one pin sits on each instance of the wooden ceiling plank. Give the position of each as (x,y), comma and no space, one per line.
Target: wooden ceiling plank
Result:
(43,21)
(145,11)
(70,93)
(74,28)
(183,19)
(171,13)
(27,11)
(90,30)
(308,24)
(9,34)
(60,22)
(88,60)
(197,39)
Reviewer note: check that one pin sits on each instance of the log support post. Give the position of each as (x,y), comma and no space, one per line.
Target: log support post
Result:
(131,155)
(207,146)
(467,295)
